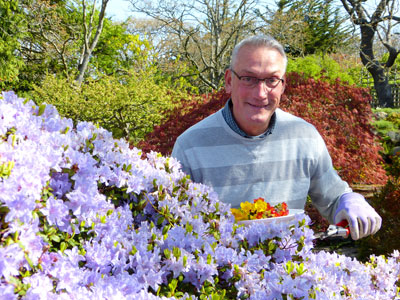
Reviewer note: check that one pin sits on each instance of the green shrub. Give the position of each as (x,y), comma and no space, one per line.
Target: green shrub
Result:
(387,203)
(391,123)
(128,105)
(321,67)
(387,110)
(394,117)
(384,126)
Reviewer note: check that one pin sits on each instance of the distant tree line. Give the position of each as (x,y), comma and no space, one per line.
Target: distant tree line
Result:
(187,41)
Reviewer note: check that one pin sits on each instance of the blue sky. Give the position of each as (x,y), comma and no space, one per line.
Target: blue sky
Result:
(118,9)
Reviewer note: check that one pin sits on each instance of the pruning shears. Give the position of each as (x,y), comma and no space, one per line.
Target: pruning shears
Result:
(341,229)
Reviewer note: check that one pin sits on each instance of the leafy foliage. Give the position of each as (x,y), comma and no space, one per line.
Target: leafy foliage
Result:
(383,126)
(389,120)
(128,105)
(11,24)
(53,42)
(323,67)
(341,113)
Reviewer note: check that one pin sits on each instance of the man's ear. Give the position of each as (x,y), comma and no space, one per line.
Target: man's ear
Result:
(283,84)
(228,80)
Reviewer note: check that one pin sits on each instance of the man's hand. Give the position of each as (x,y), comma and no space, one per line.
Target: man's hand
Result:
(363,219)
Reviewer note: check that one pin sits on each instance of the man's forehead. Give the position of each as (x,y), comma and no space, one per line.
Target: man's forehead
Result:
(250,48)
(246,58)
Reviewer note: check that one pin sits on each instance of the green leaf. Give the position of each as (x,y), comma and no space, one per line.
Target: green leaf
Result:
(41,110)
(160,220)
(133,251)
(209,259)
(103,219)
(185,260)
(177,252)
(167,253)
(63,246)
(55,238)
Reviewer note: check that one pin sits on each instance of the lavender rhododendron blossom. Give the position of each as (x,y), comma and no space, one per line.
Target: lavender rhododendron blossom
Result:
(83,216)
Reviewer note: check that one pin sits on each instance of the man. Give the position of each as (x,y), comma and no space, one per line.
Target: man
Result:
(251,148)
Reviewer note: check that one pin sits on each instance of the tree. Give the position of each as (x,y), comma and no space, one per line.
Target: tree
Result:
(377,27)
(327,30)
(118,50)
(65,32)
(307,27)
(62,37)
(51,42)
(288,27)
(12,22)
(206,31)
(162,53)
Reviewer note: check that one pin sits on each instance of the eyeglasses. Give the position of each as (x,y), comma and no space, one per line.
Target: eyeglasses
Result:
(251,81)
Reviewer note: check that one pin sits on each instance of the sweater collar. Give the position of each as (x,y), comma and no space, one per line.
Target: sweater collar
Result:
(228,116)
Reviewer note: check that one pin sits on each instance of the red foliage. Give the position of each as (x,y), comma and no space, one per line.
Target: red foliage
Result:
(163,137)
(341,113)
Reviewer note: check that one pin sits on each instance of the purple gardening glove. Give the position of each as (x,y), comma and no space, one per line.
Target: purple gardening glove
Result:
(363,219)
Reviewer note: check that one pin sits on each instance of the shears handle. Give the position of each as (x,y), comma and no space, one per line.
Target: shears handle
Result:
(345,225)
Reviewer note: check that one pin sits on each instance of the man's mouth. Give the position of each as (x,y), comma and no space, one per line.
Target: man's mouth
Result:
(258,105)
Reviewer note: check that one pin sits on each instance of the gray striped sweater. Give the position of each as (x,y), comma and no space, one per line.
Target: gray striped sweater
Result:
(287,165)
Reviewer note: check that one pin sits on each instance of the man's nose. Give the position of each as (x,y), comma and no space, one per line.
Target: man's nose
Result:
(261,89)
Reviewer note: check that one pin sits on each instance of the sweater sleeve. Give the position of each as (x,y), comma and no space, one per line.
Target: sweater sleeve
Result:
(326,187)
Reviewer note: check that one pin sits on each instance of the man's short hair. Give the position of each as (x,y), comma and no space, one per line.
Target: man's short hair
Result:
(258,41)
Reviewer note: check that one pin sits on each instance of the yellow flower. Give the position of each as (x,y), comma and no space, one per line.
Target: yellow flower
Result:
(238,214)
(260,206)
(246,207)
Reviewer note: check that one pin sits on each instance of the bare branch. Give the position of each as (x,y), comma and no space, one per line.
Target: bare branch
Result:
(206,30)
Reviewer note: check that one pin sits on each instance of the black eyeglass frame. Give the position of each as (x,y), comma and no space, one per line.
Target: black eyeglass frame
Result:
(249,83)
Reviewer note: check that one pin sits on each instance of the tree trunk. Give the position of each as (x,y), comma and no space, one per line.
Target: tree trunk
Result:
(383,91)
(83,66)
(89,44)
(374,67)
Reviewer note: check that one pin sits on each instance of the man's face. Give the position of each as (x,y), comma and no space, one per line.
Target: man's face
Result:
(253,106)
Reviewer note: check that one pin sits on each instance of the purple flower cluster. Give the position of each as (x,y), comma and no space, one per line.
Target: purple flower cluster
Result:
(83,216)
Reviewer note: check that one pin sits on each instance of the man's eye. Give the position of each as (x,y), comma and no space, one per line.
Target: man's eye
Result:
(249,79)
(273,80)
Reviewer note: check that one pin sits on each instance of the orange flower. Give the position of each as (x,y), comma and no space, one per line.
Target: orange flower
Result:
(259,215)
